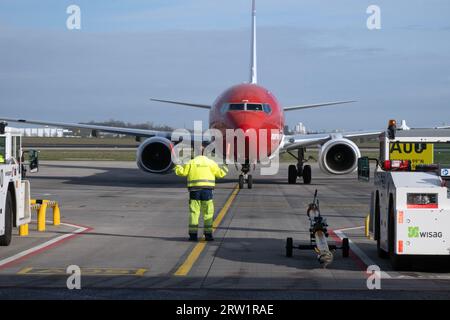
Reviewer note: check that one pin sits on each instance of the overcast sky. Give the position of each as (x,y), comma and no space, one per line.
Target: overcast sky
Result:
(309,51)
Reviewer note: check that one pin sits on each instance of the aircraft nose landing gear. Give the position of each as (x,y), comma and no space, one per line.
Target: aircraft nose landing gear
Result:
(245,177)
(299,170)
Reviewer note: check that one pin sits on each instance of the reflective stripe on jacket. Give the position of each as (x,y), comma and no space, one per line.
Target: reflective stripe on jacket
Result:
(201,172)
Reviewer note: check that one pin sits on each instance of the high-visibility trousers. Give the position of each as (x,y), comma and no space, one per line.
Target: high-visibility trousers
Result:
(201,202)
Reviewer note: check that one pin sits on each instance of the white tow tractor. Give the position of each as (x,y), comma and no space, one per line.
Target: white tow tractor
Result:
(410,207)
(14,191)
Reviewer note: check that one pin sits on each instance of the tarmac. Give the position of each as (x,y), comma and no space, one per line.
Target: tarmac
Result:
(127,232)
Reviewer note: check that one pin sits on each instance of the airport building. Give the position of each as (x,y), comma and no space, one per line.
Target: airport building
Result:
(300,128)
(43,132)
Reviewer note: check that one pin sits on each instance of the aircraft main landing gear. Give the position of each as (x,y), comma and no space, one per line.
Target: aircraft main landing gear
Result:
(299,170)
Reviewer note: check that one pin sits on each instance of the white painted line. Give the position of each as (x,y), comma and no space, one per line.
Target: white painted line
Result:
(75,226)
(353,228)
(364,258)
(44,245)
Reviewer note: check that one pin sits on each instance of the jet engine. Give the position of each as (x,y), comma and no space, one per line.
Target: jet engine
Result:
(339,156)
(154,155)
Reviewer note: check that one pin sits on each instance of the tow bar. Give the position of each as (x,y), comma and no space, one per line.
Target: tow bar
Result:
(318,235)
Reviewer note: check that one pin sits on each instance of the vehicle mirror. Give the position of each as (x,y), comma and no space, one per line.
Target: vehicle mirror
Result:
(363,169)
(33,158)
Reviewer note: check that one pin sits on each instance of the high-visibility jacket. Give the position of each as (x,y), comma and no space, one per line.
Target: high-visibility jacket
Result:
(2,159)
(201,172)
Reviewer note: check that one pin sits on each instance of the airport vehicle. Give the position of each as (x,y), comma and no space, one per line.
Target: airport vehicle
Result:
(14,191)
(318,234)
(410,206)
(253,110)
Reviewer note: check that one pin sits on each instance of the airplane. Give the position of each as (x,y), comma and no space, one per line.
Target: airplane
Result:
(244,106)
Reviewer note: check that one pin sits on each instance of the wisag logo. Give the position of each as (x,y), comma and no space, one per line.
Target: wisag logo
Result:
(414,232)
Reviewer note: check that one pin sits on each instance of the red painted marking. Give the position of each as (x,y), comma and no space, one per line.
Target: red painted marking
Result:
(46,248)
(400,246)
(400,217)
(423,206)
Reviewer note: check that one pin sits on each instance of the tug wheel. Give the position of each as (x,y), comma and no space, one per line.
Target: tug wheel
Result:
(289,247)
(345,248)
(5,239)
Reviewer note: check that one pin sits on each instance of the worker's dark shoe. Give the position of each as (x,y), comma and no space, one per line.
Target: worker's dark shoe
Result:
(193,237)
(209,237)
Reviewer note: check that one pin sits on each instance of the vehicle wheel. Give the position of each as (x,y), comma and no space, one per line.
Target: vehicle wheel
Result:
(5,240)
(289,247)
(307,175)
(345,248)
(241,181)
(24,172)
(381,253)
(398,262)
(377,234)
(250,181)
(292,174)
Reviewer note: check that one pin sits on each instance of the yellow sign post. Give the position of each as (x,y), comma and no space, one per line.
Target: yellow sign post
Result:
(417,153)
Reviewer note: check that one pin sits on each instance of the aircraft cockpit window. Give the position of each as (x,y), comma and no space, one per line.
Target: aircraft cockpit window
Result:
(254,107)
(224,108)
(236,106)
(267,109)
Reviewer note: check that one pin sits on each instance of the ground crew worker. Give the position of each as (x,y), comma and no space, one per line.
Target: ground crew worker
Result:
(2,158)
(201,173)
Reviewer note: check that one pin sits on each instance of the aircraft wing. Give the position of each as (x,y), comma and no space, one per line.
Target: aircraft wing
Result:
(181,103)
(317,105)
(117,130)
(291,108)
(293,142)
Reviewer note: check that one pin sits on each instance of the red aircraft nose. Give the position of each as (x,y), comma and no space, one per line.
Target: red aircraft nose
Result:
(246,120)
(250,123)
